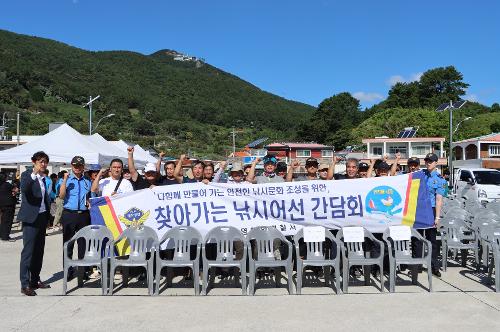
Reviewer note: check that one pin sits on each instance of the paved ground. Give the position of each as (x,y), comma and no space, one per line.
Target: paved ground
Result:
(462,299)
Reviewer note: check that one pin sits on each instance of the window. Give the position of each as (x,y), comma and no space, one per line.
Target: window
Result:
(303,153)
(326,153)
(395,149)
(377,150)
(465,176)
(420,150)
(494,150)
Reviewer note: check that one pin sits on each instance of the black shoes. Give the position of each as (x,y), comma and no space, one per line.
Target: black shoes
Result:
(28,291)
(436,272)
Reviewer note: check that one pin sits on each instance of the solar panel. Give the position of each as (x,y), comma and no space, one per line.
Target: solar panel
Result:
(459,104)
(401,133)
(411,133)
(443,107)
(257,142)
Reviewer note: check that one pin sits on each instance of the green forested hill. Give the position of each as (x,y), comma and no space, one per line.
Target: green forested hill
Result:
(155,98)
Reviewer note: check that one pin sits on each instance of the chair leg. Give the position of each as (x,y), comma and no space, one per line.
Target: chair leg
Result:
(196,278)
(392,277)
(326,273)
(104,277)
(125,275)
(206,273)
(243,276)
(157,278)
(150,276)
(445,257)
(345,277)
(65,280)
(366,274)
(337,278)
(300,270)
(381,267)
(497,275)
(111,279)
(289,275)
(277,276)
(251,281)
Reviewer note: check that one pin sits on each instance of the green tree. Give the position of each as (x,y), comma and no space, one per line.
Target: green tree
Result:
(405,95)
(495,107)
(440,85)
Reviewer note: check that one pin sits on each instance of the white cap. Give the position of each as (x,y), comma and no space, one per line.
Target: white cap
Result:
(150,167)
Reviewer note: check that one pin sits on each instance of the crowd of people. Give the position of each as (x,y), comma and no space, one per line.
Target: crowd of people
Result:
(62,201)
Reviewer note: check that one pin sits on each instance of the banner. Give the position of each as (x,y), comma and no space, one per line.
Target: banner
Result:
(374,203)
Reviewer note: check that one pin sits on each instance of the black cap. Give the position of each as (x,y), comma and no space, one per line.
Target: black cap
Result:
(431,157)
(363,165)
(281,167)
(413,160)
(383,165)
(77,161)
(312,161)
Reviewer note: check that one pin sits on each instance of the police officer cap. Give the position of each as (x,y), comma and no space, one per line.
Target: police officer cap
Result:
(431,157)
(383,165)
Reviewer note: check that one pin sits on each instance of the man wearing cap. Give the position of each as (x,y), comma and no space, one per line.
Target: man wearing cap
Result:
(235,175)
(363,169)
(150,178)
(269,175)
(312,166)
(413,164)
(436,190)
(75,193)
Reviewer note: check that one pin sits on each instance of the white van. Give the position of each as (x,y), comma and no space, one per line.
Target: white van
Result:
(477,184)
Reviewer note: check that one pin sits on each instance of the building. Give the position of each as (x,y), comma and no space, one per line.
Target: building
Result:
(301,151)
(477,152)
(408,147)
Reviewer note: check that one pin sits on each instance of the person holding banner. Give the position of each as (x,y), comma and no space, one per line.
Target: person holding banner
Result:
(269,175)
(114,184)
(235,175)
(197,168)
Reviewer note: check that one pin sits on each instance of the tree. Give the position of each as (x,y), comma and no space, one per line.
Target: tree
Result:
(405,95)
(440,85)
(495,127)
(495,107)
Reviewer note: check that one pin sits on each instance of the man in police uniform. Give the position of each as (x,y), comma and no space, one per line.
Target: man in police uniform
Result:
(75,192)
(436,189)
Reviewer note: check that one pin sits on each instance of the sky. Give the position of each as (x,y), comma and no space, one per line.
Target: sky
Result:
(301,50)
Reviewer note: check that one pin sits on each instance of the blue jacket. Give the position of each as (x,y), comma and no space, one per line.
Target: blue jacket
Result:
(31,199)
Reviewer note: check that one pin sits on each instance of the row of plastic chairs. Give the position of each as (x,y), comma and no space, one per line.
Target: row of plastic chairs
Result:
(467,226)
(145,252)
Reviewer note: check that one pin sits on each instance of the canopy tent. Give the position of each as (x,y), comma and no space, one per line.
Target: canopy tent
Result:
(62,144)
(139,152)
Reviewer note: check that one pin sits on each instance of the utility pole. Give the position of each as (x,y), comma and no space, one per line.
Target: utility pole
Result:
(450,152)
(234,142)
(17,129)
(89,104)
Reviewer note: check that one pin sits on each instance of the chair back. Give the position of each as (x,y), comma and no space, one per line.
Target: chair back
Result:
(264,237)
(316,250)
(96,237)
(402,248)
(183,237)
(141,239)
(354,249)
(224,237)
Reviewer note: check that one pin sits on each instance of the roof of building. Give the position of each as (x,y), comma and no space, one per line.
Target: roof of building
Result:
(293,145)
(412,139)
(493,137)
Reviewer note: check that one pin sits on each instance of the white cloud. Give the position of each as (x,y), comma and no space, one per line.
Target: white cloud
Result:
(75,2)
(367,97)
(401,79)
(471,97)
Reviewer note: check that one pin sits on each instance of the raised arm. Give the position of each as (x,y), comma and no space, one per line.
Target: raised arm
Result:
(95,184)
(131,165)
(331,170)
(62,188)
(251,172)
(395,164)
(178,169)
(220,171)
(293,166)
(370,169)
(158,163)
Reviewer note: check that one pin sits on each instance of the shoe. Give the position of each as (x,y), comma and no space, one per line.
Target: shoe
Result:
(28,291)
(436,273)
(9,240)
(40,285)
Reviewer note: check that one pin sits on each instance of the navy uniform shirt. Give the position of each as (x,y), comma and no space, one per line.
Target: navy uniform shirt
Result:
(77,192)
(436,184)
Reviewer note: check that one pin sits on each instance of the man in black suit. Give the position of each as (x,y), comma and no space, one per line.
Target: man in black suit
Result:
(34,214)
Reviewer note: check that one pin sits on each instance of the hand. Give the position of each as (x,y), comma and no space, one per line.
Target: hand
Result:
(222,165)
(130,149)
(436,223)
(386,157)
(295,164)
(205,181)
(182,157)
(161,155)
(256,161)
(373,161)
(398,155)
(336,159)
(65,177)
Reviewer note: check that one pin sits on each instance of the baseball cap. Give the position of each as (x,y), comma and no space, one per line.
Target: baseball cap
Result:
(413,160)
(281,167)
(323,166)
(150,167)
(383,165)
(77,161)
(362,165)
(270,159)
(312,162)
(431,156)
(237,167)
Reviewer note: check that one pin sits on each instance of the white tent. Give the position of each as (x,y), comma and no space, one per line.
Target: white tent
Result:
(62,144)
(139,152)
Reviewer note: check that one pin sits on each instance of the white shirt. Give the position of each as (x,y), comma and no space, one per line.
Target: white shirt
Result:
(108,185)
(42,187)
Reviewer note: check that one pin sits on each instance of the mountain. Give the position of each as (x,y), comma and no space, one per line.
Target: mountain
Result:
(176,103)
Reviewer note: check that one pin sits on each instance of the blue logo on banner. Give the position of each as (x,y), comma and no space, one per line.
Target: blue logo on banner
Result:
(383,200)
